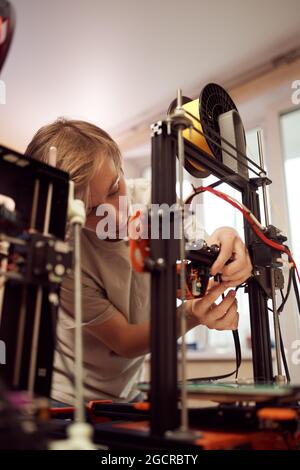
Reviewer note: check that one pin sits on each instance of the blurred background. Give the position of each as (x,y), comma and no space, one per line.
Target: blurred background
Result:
(118,64)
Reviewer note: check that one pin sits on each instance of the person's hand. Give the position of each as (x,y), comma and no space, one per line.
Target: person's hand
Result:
(205,311)
(231,247)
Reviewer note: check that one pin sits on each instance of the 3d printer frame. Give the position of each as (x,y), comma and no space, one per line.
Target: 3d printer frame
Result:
(36,233)
(164,394)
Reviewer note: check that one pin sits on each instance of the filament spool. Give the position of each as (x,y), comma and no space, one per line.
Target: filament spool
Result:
(205,110)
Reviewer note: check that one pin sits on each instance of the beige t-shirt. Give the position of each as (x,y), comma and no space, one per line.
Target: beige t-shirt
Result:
(109,284)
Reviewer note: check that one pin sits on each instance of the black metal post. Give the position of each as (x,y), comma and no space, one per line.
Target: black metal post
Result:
(259,319)
(164,252)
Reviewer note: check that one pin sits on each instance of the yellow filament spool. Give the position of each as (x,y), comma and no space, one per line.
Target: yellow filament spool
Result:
(193,136)
(191,165)
(204,114)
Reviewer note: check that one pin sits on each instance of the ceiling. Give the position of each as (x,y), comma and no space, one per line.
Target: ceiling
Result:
(111,62)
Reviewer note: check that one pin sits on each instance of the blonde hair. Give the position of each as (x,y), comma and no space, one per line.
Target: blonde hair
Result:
(81,150)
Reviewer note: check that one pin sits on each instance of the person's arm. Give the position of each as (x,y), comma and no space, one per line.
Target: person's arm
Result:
(128,340)
(133,340)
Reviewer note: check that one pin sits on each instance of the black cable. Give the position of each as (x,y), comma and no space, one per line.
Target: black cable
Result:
(292,278)
(225,179)
(220,181)
(295,285)
(238,356)
(288,290)
(285,364)
(238,352)
(279,310)
(283,356)
(237,344)
(285,298)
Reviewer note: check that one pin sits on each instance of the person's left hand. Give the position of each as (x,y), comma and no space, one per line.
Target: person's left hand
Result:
(231,247)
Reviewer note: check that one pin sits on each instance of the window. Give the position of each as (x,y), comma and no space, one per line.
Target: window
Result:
(290,131)
(216,213)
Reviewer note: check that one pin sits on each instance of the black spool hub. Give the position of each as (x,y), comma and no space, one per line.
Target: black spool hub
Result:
(213,101)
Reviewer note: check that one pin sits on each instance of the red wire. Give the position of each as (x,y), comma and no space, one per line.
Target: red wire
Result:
(254,227)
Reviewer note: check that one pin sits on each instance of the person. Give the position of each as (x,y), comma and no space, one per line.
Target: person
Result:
(116,299)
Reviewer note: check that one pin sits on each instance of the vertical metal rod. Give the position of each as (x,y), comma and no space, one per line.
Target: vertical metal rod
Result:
(36,193)
(48,210)
(183,322)
(35,340)
(279,376)
(79,410)
(38,303)
(52,162)
(20,339)
(264,187)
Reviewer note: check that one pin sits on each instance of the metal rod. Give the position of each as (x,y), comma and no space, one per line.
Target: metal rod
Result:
(276,327)
(79,410)
(264,188)
(36,193)
(48,210)
(20,339)
(52,162)
(183,322)
(35,340)
(14,240)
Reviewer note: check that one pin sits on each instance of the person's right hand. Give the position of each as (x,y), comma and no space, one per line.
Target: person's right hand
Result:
(223,316)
